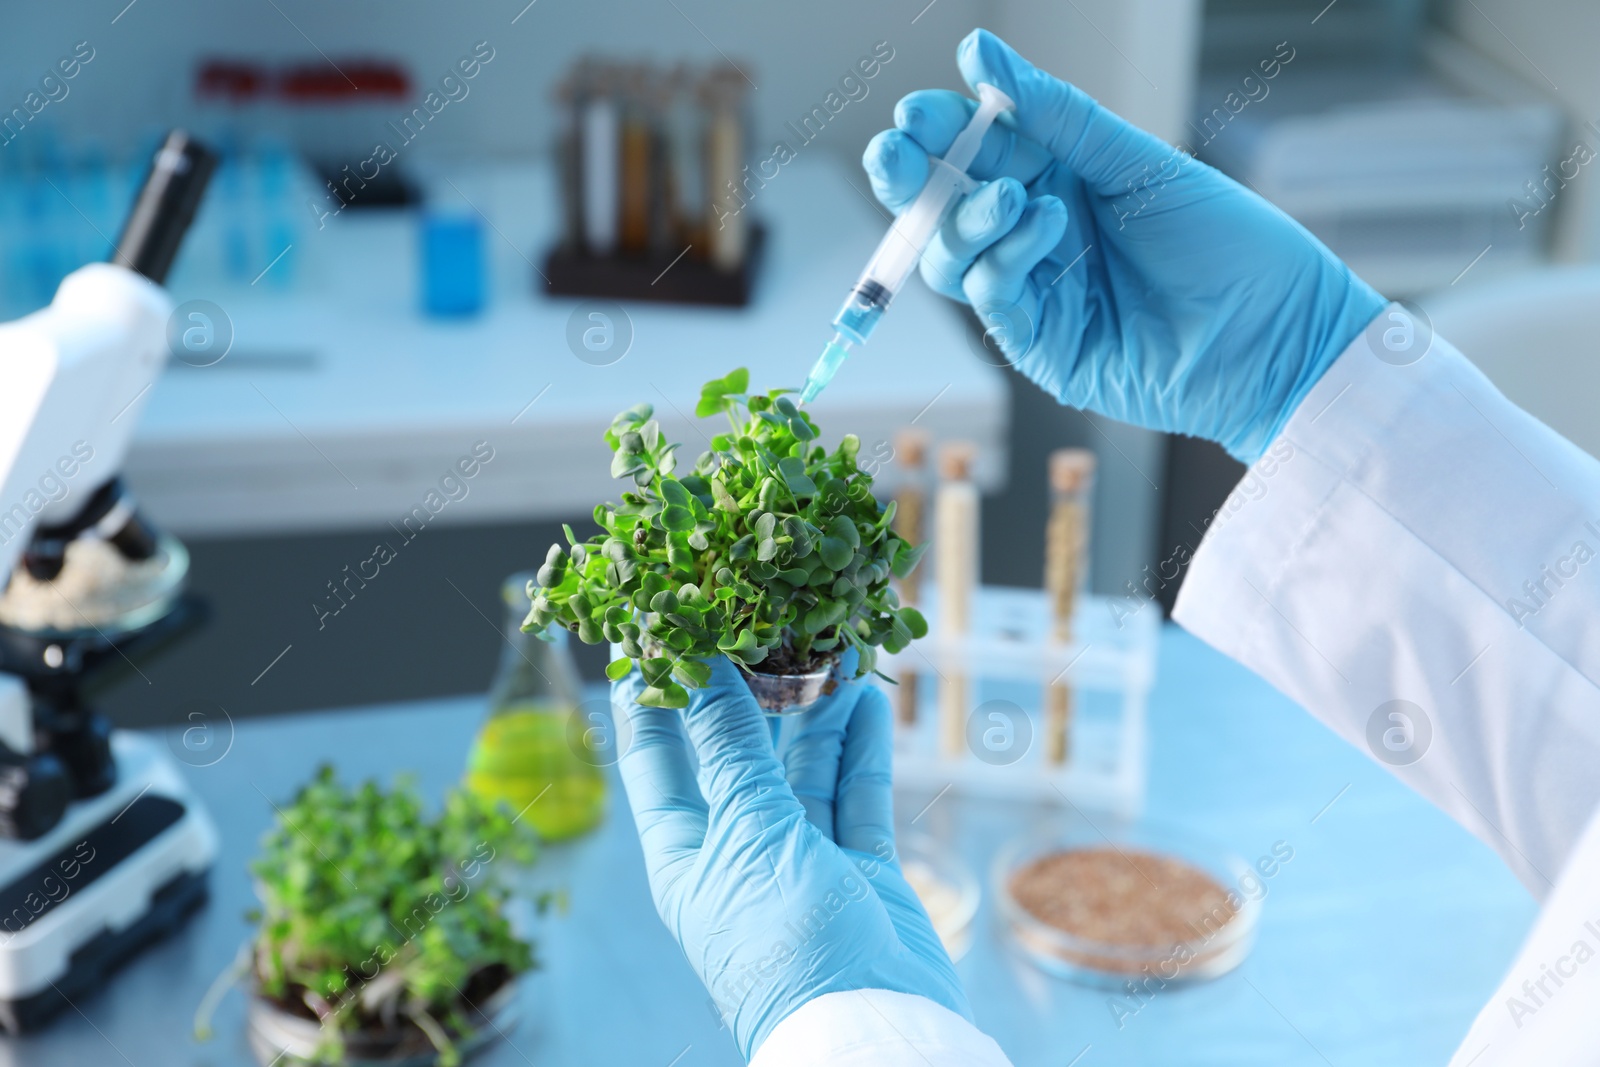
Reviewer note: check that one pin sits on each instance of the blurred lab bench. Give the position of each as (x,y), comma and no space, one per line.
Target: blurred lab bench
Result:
(339,406)
(1380,936)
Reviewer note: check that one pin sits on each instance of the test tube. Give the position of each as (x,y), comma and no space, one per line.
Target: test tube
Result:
(727,236)
(1065,576)
(687,192)
(600,163)
(569,141)
(910,524)
(955,547)
(636,163)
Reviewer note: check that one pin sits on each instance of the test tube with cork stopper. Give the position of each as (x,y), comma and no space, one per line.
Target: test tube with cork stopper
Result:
(910,525)
(1065,576)
(955,548)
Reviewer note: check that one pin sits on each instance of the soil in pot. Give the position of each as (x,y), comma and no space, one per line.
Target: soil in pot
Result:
(783,684)
(287,1031)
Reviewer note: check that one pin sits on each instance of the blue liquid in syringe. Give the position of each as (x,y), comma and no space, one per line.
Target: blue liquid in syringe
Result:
(854,323)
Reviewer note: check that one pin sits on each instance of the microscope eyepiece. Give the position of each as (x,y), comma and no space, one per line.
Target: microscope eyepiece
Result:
(165,206)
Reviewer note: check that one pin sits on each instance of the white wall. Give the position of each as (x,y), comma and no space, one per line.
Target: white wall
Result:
(1138,57)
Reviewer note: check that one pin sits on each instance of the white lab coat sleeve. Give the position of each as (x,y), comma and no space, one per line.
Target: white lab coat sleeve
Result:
(1416,560)
(1544,1011)
(876,1028)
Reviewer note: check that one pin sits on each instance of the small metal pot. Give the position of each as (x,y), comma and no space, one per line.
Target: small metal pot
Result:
(792,694)
(781,694)
(278,1037)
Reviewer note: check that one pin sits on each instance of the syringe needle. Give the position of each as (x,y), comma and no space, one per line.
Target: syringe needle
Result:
(827,365)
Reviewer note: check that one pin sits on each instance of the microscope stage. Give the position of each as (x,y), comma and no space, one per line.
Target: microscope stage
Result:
(121,870)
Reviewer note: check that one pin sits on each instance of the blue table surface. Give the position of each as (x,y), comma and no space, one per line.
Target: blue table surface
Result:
(1378,942)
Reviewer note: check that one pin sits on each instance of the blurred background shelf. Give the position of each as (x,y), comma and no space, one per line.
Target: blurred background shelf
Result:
(341,405)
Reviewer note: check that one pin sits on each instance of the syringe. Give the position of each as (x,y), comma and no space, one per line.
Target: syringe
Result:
(901,248)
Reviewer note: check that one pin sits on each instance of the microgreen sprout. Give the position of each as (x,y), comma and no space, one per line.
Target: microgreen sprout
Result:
(772,551)
(374,914)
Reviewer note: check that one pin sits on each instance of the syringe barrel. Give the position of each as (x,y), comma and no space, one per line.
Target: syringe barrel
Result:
(901,249)
(898,254)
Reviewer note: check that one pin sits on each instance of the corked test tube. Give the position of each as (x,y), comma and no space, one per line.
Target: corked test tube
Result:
(727,232)
(1065,575)
(910,524)
(955,548)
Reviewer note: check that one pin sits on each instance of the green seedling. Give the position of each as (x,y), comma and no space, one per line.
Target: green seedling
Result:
(772,551)
(374,914)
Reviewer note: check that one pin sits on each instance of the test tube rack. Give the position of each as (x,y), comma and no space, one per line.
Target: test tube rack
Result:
(1006,666)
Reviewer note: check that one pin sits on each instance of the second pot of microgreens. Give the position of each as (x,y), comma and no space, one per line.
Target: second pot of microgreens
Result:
(772,551)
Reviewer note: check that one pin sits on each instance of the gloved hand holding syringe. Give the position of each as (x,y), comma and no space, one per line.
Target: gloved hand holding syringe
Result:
(901,248)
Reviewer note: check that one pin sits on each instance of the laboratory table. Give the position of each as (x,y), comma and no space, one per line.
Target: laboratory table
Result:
(1378,941)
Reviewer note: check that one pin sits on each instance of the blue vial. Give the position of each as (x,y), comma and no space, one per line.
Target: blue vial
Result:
(452,264)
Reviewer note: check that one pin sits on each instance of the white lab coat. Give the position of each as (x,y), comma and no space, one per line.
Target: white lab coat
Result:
(1411,536)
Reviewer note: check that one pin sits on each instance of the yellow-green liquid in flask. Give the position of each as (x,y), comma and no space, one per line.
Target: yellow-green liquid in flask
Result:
(536,751)
(536,758)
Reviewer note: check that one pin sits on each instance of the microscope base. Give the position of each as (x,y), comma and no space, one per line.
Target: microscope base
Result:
(120,871)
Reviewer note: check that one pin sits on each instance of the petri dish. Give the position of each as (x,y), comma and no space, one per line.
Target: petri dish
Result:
(947,887)
(1146,902)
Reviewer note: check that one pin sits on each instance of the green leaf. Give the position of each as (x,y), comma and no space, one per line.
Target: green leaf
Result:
(691,672)
(623,465)
(725,500)
(677,518)
(714,394)
(794,474)
(619,669)
(802,429)
(834,552)
(845,530)
(765,525)
(740,642)
(672,695)
(655,669)
(824,615)
(914,622)
(673,492)
(906,558)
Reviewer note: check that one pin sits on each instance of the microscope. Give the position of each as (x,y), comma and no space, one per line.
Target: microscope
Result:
(103,848)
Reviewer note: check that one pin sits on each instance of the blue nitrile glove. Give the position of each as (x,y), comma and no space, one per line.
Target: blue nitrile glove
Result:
(1196,306)
(781,883)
